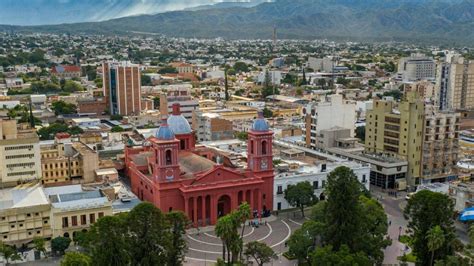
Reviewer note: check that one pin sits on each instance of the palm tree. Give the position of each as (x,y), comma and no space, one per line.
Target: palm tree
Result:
(225,230)
(435,239)
(243,213)
(471,234)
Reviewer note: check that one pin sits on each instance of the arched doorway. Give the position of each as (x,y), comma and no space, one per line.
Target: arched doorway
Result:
(223,205)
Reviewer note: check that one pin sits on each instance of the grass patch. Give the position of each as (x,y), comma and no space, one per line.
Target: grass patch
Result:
(289,256)
(405,239)
(407,257)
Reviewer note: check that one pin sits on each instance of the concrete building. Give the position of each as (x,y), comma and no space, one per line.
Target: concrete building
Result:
(397,130)
(74,209)
(24,214)
(334,112)
(455,83)
(122,87)
(274,76)
(211,127)
(181,96)
(440,144)
(425,89)
(326,64)
(466,143)
(19,154)
(68,162)
(463,195)
(417,67)
(317,176)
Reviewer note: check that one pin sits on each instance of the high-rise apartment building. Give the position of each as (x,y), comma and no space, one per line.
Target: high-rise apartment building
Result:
(417,67)
(455,83)
(122,88)
(440,144)
(421,134)
(397,131)
(20,158)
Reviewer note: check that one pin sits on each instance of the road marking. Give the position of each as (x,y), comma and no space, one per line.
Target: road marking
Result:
(287,236)
(295,222)
(210,235)
(269,233)
(205,251)
(196,259)
(251,232)
(204,242)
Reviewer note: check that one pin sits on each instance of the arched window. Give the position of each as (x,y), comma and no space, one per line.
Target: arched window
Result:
(264,147)
(168,157)
(251,146)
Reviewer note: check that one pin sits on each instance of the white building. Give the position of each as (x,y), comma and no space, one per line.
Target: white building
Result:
(321,64)
(334,112)
(317,176)
(417,67)
(275,77)
(20,158)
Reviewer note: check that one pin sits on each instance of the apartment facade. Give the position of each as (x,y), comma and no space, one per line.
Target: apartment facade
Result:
(211,127)
(24,214)
(417,67)
(398,131)
(440,144)
(19,154)
(334,112)
(455,83)
(122,87)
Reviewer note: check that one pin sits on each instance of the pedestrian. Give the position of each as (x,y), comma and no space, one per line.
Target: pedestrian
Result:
(389,223)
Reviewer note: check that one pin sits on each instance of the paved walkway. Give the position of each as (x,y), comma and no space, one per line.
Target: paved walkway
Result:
(204,248)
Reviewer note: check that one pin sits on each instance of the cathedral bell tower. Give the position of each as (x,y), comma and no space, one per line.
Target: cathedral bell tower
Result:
(259,146)
(165,160)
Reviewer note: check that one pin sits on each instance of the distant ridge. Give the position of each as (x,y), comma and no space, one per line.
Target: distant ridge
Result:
(436,21)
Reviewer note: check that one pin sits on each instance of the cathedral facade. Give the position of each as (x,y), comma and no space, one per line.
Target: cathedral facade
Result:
(174,173)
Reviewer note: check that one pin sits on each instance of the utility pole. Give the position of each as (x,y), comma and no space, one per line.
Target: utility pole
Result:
(226,88)
(32,118)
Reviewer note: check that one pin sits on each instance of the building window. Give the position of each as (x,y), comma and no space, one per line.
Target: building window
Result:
(315,184)
(101,214)
(65,222)
(364,179)
(83,219)
(264,147)
(168,157)
(279,190)
(74,220)
(279,206)
(92,218)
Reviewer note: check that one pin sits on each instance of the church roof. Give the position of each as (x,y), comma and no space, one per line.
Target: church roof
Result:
(191,163)
(164,132)
(177,123)
(260,124)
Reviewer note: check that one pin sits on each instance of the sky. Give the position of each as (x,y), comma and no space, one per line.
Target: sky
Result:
(41,12)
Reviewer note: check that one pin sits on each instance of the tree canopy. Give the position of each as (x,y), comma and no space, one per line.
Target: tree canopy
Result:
(300,195)
(425,211)
(63,108)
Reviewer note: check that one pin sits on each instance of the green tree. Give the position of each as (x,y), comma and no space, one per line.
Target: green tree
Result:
(76,259)
(454,261)
(305,239)
(424,211)
(343,220)
(106,241)
(167,70)
(145,80)
(226,230)
(299,92)
(9,253)
(116,117)
(62,108)
(39,245)
(60,244)
(241,135)
(72,86)
(117,129)
(300,195)
(178,222)
(328,256)
(241,67)
(156,102)
(435,238)
(260,252)
(148,235)
(267,113)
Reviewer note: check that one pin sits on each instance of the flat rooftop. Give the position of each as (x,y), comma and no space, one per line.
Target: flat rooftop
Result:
(23,196)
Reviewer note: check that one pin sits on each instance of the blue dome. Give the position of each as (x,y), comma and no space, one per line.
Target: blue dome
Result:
(164,133)
(179,125)
(260,124)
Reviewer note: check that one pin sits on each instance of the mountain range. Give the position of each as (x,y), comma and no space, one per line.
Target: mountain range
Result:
(447,21)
